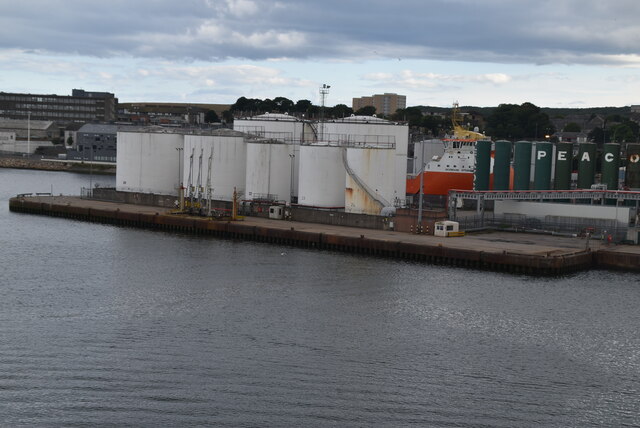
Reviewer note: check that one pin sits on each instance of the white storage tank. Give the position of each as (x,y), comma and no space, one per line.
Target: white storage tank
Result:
(228,163)
(373,132)
(322,176)
(370,180)
(270,170)
(148,161)
(272,125)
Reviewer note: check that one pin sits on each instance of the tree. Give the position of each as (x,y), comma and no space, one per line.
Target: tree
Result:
(313,111)
(413,115)
(366,111)
(433,124)
(302,106)
(514,121)
(227,116)
(283,105)
(597,135)
(70,141)
(572,127)
(340,110)
(621,133)
(267,106)
(245,105)
(211,117)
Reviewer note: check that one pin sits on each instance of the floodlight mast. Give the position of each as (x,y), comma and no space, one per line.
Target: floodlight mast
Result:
(324,91)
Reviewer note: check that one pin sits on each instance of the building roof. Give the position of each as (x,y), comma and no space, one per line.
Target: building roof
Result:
(99,128)
(41,125)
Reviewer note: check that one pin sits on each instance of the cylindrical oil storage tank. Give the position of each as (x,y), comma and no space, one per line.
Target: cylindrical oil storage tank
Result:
(611,165)
(632,173)
(322,176)
(373,132)
(522,165)
(228,152)
(502,165)
(483,165)
(149,161)
(274,126)
(544,158)
(369,184)
(269,170)
(586,165)
(564,164)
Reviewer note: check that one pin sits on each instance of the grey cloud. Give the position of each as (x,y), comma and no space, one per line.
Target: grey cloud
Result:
(542,31)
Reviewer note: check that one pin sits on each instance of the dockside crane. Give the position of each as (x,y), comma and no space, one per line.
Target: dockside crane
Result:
(190,197)
(209,190)
(199,192)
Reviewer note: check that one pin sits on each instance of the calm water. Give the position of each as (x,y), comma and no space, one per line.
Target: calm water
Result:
(102,325)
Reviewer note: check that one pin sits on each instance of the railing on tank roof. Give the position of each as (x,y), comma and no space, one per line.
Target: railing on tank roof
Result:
(356,141)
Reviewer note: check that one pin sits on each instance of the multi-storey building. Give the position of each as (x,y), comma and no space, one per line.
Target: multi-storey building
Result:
(385,104)
(96,142)
(81,106)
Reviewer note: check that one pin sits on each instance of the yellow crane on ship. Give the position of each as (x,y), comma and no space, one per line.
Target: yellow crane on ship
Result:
(459,132)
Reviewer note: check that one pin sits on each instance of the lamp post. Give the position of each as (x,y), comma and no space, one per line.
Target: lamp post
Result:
(292,157)
(91,174)
(419,226)
(179,150)
(180,186)
(28,134)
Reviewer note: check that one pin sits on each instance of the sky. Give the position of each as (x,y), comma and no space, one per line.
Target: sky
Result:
(552,53)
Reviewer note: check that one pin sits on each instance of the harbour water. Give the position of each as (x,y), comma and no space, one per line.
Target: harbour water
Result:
(103,325)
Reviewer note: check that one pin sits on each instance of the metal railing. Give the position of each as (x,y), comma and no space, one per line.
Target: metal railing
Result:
(598,228)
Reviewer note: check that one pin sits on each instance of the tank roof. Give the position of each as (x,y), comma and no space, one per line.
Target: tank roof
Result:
(155,129)
(273,116)
(364,119)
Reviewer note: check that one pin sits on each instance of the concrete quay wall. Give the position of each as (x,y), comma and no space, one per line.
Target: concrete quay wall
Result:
(279,233)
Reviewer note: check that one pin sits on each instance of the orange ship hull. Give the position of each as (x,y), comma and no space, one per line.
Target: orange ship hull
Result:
(439,183)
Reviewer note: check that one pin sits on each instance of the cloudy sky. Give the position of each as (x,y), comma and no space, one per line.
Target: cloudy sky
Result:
(553,53)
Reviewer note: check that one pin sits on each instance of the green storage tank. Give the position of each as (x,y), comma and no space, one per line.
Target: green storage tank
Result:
(610,165)
(483,165)
(586,165)
(564,164)
(502,165)
(542,172)
(632,173)
(521,165)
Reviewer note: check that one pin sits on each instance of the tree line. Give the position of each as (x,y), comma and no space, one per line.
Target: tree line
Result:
(506,121)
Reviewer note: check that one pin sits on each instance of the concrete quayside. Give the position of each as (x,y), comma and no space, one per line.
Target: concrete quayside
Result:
(499,251)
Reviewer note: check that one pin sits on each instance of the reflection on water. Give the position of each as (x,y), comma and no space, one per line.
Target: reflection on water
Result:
(109,325)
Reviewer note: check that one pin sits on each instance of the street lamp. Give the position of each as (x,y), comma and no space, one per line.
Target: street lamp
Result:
(423,164)
(91,174)
(28,134)
(292,157)
(179,150)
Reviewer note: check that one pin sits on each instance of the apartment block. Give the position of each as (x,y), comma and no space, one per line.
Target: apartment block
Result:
(385,104)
